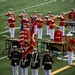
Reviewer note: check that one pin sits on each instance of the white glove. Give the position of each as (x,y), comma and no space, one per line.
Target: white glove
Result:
(42,66)
(15,63)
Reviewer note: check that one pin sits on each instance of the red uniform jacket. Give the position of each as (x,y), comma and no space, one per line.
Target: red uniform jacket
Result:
(62,20)
(52,22)
(26,35)
(71,43)
(21,15)
(11,22)
(9,13)
(57,36)
(39,22)
(48,22)
(71,16)
(33,18)
(25,22)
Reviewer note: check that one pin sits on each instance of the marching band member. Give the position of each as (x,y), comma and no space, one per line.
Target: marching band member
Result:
(71,17)
(47,17)
(22,14)
(47,62)
(71,43)
(35,64)
(34,21)
(25,62)
(26,21)
(21,21)
(11,23)
(62,22)
(10,12)
(51,31)
(15,58)
(40,20)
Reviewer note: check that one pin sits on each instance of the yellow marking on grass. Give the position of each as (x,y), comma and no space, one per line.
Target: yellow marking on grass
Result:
(62,69)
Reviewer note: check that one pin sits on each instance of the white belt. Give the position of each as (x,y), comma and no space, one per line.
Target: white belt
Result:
(57,37)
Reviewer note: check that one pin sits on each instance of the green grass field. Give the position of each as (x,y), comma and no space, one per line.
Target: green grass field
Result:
(41,6)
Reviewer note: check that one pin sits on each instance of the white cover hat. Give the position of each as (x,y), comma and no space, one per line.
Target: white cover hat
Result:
(35,11)
(69,34)
(14,46)
(40,14)
(49,12)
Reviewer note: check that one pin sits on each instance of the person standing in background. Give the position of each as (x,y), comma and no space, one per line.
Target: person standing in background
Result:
(47,18)
(71,17)
(26,21)
(34,21)
(51,31)
(22,14)
(70,49)
(11,23)
(21,21)
(62,19)
(40,21)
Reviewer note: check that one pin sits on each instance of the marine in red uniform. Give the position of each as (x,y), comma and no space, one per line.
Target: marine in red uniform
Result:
(47,18)
(21,21)
(51,31)
(71,17)
(22,14)
(10,12)
(71,43)
(34,21)
(62,19)
(11,23)
(40,20)
(58,35)
(26,21)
